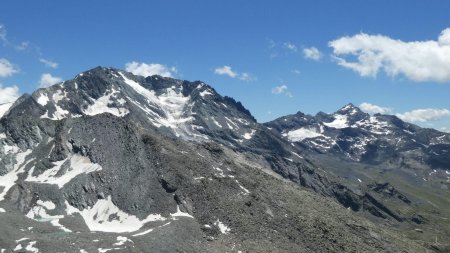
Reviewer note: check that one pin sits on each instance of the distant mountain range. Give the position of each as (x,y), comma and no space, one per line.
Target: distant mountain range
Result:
(114,162)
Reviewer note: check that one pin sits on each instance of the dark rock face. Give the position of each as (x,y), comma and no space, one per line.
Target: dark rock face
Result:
(385,166)
(118,162)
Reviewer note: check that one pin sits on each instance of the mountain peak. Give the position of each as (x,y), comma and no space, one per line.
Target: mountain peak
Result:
(349,109)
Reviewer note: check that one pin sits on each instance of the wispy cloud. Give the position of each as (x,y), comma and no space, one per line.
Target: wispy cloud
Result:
(290,46)
(312,53)
(149,69)
(281,89)
(3,33)
(48,80)
(49,63)
(6,42)
(296,71)
(7,68)
(419,61)
(228,71)
(246,77)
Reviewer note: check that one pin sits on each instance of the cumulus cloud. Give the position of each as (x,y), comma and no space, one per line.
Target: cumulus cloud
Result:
(7,68)
(48,80)
(8,94)
(281,89)
(419,61)
(227,71)
(312,53)
(371,108)
(49,63)
(424,115)
(149,69)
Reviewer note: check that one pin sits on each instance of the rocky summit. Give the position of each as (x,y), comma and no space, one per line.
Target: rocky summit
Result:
(114,162)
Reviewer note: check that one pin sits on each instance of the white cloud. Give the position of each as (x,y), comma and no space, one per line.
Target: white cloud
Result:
(246,77)
(296,71)
(49,63)
(281,89)
(419,61)
(312,53)
(371,108)
(149,69)
(225,70)
(48,80)
(424,115)
(290,46)
(9,94)
(7,68)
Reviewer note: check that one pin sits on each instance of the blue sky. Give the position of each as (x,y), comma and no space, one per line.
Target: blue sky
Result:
(277,57)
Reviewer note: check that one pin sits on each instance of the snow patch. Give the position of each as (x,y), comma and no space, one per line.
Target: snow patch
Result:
(9,179)
(150,230)
(248,136)
(242,187)
(297,155)
(39,213)
(216,122)
(232,122)
(179,213)
(121,240)
(30,247)
(105,216)
(205,93)
(2,210)
(22,239)
(101,250)
(222,227)
(47,204)
(42,99)
(78,165)
(143,233)
(60,113)
(170,104)
(340,121)
(101,105)
(301,134)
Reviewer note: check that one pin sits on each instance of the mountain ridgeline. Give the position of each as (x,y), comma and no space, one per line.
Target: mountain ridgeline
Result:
(111,161)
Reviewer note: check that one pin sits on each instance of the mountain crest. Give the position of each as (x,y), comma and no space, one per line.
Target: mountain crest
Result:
(190,110)
(349,109)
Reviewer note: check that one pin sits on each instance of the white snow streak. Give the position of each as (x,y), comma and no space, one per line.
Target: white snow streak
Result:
(78,165)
